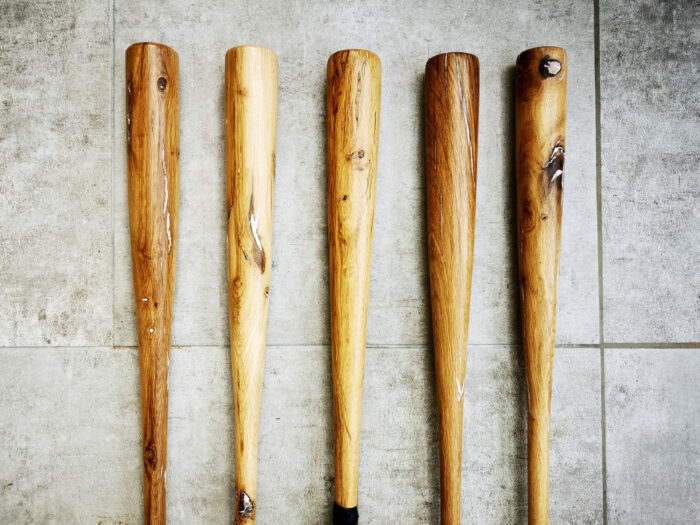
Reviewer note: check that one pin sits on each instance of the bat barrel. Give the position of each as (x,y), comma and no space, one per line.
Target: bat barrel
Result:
(251,129)
(540,146)
(451,128)
(152,129)
(352,103)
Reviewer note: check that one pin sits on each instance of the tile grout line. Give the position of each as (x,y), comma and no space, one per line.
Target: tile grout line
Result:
(112,125)
(599,213)
(292,345)
(583,346)
(659,346)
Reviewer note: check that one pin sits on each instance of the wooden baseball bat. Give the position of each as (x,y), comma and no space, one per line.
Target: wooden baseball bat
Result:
(540,114)
(451,129)
(352,104)
(153,150)
(251,131)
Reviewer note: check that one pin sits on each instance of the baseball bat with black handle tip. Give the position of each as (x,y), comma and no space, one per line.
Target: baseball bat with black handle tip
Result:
(540,118)
(352,104)
(251,130)
(451,128)
(152,142)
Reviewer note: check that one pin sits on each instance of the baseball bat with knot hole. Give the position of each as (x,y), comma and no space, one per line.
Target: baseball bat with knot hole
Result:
(251,130)
(152,143)
(540,118)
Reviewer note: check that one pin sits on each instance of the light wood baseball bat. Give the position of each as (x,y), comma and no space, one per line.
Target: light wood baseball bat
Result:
(540,114)
(251,131)
(352,104)
(153,149)
(451,128)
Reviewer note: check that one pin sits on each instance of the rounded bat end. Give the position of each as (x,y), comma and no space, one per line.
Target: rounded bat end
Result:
(541,51)
(468,60)
(151,46)
(258,51)
(456,54)
(363,55)
(547,60)
(344,515)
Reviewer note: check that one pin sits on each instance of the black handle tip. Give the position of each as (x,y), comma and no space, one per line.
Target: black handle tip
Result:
(344,516)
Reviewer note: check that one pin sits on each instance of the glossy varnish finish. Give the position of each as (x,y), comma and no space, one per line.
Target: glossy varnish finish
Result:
(152,132)
(251,130)
(353,94)
(451,127)
(540,125)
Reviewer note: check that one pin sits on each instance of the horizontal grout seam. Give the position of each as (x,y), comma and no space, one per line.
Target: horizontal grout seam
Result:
(629,345)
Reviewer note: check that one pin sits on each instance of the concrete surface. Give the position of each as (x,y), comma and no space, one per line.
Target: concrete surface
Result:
(625,397)
(55,183)
(84,467)
(653,453)
(650,183)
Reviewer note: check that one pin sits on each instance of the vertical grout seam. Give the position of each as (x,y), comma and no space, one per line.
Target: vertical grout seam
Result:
(112,126)
(599,213)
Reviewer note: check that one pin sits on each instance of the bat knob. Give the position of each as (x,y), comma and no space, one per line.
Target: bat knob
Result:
(344,516)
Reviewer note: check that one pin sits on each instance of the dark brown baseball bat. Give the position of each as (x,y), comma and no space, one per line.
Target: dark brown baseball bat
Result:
(152,142)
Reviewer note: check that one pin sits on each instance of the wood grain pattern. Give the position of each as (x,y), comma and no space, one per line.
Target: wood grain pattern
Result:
(540,111)
(153,138)
(353,97)
(251,131)
(451,129)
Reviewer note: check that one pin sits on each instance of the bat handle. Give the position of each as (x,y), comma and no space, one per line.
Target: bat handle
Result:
(538,461)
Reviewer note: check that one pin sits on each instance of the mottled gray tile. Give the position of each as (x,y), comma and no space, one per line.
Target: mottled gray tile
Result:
(295,462)
(70,436)
(495,443)
(650,108)
(494,447)
(55,189)
(200,437)
(304,34)
(73,414)
(651,434)
(399,478)
(576,462)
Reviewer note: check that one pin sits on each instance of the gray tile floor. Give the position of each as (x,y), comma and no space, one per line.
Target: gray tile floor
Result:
(625,401)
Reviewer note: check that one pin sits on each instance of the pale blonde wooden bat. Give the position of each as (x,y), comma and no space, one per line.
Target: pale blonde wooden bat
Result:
(251,130)
(352,104)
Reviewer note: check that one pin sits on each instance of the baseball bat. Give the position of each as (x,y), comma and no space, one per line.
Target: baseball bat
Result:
(540,118)
(153,143)
(352,112)
(251,131)
(451,129)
